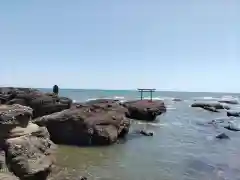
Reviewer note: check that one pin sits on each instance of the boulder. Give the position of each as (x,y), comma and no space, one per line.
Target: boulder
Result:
(214,107)
(144,109)
(92,123)
(28,149)
(41,103)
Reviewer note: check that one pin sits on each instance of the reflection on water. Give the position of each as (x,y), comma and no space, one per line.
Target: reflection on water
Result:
(182,148)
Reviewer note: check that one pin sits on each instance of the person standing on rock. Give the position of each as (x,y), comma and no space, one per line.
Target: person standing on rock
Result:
(55,89)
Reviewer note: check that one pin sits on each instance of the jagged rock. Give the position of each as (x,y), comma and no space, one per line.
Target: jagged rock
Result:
(214,107)
(92,123)
(28,149)
(42,103)
(144,109)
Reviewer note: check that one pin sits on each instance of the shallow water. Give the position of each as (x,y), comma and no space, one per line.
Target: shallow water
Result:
(182,148)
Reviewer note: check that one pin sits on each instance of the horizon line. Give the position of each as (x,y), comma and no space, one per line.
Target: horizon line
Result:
(136,89)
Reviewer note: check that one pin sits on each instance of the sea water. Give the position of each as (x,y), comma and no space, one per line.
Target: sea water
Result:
(182,148)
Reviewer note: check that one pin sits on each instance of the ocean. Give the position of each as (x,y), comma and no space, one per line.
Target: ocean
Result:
(182,148)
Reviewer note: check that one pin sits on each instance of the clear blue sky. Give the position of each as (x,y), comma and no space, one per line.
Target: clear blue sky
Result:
(191,45)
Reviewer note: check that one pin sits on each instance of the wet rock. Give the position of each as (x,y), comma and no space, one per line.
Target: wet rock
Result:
(214,107)
(222,136)
(28,149)
(145,109)
(233,114)
(92,123)
(146,133)
(229,101)
(176,99)
(232,126)
(42,103)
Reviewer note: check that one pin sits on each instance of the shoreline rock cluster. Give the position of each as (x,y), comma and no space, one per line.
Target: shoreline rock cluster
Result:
(31,122)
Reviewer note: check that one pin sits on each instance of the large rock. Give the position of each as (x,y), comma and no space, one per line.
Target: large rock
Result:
(145,109)
(28,149)
(93,123)
(42,103)
(214,107)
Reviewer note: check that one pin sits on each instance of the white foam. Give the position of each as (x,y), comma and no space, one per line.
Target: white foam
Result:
(154,98)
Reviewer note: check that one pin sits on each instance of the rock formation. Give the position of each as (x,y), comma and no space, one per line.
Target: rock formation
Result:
(29,151)
(144,109)
(99,122)
(41,103)
(213,107)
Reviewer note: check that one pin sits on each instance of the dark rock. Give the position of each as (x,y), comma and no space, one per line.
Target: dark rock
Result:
(145,133)
(176,99)
(145,109)
(212,109)
(28,149)
(42,103)
(82,178)
(233,113)
(92,123)
(222,136)
(210,106)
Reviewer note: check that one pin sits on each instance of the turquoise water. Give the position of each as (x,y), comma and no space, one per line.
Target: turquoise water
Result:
(181,148)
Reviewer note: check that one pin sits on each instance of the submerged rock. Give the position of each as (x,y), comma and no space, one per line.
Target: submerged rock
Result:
(222,136)
(232,126)
(214,107)
(146,133)
(93,123)
(41,103)
(28,149)
(145,109)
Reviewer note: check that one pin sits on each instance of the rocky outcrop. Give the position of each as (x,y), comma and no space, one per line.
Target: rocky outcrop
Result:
(213,107)
(144,109)
(41,103)
(233,114)
(99,122)
(28,149)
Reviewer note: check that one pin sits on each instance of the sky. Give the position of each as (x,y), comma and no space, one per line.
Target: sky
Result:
(176,45)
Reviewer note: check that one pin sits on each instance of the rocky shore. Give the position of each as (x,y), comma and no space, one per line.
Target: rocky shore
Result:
(33,122)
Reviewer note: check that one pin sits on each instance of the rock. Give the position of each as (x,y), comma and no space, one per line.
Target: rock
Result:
(28,149)
(212,109)
(92,123)
(232,126)
(7,176)
(145,109)
(222,136)
(176,99)
(145,133)
(82,178)
(229,101)
(210,106)
(233,113)
(42,103)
